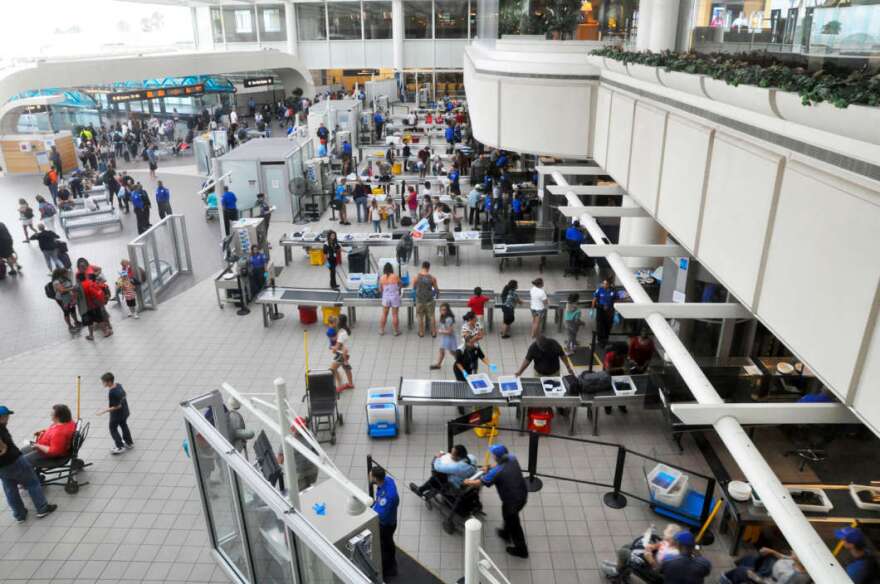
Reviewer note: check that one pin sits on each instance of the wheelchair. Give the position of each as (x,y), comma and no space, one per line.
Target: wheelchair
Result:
(456,504)
(64,470)
(636,570)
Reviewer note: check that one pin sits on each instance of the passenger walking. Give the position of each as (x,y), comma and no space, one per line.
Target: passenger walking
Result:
(507,477)
(50,179)
(509,301)
(538,304)
(426,292)
(572,319)
(412,203)
(332,257)
(446,329)
(117,407)
(389,288)
(95,295)
(471,330)
(340,352)
(375,216)
(385,506)
(48,245)
(473,205)
(65,296)
(391,213)
(163,200)
(152,160)
(15,472)
(48,212)
(477,304)
(55,159)
(359,194)
(26,216)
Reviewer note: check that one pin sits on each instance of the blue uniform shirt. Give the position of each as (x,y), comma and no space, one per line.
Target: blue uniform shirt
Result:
(346,148)
(574,234)
(163,195)
(386,502)
(258,261)
(604,297)
(377,118)
(229,200)
(137,200)
(449,134)
(453,177)
(340,192)
(516,204)
(815,398)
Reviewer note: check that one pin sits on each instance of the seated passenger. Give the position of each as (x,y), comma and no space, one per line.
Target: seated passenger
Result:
(767,567)
(55,441)
(643,556)
(452,467)
(211,200)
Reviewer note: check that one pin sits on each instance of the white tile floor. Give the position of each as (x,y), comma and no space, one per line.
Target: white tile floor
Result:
(140,518)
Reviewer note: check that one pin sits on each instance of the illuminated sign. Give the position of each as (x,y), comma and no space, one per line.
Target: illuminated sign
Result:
(259,81)
(142,94)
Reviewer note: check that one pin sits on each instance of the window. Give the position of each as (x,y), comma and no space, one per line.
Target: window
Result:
(345,20)
(311,21)
(377,20)
(272,25)
(216,25)
(450,19)
(244,22)
(417,19)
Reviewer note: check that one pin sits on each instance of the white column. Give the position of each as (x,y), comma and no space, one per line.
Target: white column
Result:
(663,25)
(290,25)
(397,33)
(639,231)
(194,18)
(472,537)
(644,33)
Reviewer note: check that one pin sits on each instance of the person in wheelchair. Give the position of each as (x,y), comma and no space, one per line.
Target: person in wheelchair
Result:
(52,444)
(648,559)
(447,470)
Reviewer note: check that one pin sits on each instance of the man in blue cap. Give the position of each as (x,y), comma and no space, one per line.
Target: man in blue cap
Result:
(15,470)
(686,568)
(508,479)
(385,506)
(862,567)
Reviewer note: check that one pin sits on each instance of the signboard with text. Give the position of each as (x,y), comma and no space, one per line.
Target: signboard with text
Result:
(259,82)
(142,94)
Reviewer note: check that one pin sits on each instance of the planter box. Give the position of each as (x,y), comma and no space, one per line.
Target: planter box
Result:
(750,97)
(596,61)
(643,73)
(615,66)
(686,82)
(856,121)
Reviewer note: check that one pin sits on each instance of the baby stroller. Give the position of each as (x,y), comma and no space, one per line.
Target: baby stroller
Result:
(457,504)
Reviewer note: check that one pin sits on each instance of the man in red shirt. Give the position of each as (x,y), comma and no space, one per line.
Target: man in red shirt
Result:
(477,303)
(641,350)
(54,441)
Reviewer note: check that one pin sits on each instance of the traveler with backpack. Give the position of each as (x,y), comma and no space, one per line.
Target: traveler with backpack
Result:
(26,216)
(50,179)
(63,291)
(48,212)
(47,241)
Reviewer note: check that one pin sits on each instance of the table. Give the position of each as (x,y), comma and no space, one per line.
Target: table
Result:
(270,297)
(426,392)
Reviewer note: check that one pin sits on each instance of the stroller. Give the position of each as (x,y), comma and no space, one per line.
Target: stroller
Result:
(457,504)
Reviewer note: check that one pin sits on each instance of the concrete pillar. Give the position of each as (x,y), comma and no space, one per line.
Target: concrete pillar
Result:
(194,18)
(640,231)
(644,33)
(290,25)
(397,34)
(663,25)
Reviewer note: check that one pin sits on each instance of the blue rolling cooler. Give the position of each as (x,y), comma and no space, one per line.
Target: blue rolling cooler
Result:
(382,419)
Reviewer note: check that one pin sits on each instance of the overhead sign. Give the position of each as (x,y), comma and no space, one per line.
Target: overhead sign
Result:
(142,94)
(259,81)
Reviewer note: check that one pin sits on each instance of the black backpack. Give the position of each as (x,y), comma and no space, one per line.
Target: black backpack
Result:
(49,289)
(596,382)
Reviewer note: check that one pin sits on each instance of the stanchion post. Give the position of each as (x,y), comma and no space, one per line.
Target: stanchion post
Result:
(615,498)
(78,393)
(472,534)
(533,483)
(592,352)
(450,435)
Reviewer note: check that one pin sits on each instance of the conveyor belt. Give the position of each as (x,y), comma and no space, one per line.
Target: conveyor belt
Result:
(459,390)
(526,249)
(306,295)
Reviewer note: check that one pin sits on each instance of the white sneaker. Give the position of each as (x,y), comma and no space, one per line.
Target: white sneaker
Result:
(115,450)
(129,446)
(136,316)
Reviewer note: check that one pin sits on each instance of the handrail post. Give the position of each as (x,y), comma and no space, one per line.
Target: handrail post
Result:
(708,537)
(592,352)
(472,532)
(615,499)
(533,483)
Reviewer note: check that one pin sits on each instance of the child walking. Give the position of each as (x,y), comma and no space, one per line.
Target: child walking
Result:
(117,407)
(573,322)
(446,330)
(125,287)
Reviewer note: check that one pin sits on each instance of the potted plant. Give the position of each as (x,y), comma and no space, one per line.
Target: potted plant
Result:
(684,72)
(561,17)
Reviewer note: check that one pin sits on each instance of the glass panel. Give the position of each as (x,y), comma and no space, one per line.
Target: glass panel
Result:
(345,20)
(272,24)
(311,569)
(450,19)
(311,22)
(417,19)
(220,500)
(239,23)
(267,539)
(614,19)
(244,22)
(487,20)
(216,25)
(377,20)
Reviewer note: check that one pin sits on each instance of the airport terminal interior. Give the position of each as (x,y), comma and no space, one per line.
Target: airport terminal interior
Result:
(440,291)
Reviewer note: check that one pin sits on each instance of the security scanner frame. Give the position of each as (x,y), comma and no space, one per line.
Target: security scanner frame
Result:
(159,256)
(259,534)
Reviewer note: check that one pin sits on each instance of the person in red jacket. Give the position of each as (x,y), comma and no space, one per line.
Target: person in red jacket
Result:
(54,441)
(641,350)
(95,298)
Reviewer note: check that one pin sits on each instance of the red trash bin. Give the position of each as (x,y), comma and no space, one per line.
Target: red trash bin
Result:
(539,420)
(308,314)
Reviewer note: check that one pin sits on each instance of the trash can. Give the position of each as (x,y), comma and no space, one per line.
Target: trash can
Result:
(308,314)
(316,256)
(328,311)
(539,420)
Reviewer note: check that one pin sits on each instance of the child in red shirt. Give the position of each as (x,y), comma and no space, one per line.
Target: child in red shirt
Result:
(477,303)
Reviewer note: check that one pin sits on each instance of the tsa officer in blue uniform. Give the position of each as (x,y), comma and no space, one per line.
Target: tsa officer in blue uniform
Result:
(385,506)
(603,302)
(508,480)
